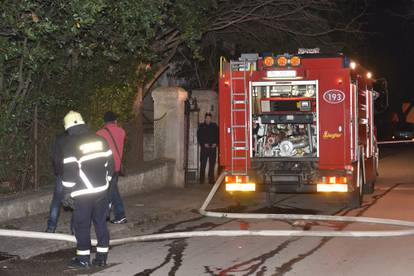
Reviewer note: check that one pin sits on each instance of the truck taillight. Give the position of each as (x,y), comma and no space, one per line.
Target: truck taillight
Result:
(334,179)
(340,188)
(236,178)
(240,187)
(236,183)
(333,184)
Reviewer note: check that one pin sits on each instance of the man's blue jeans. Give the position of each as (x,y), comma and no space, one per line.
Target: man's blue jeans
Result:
(55,206)
(115,198)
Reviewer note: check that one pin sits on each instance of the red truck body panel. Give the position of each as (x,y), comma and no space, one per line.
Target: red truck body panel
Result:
(343,108)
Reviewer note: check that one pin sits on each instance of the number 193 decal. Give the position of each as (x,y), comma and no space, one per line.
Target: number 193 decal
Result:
(334,96)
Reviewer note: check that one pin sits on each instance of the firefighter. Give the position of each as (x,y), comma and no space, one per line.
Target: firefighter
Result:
(208,138)
(87,169)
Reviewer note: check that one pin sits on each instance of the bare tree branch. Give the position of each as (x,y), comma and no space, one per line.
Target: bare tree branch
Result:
(160,70)
(220,26)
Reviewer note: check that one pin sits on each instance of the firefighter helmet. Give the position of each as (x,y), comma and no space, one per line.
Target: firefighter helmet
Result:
(73,118)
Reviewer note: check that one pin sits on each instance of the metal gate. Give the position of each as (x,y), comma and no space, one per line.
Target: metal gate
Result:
(191,148)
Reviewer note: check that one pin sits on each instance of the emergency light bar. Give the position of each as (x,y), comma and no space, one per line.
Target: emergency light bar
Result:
(281,61)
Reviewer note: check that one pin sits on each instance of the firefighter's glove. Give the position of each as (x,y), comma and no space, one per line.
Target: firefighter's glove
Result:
(68,201)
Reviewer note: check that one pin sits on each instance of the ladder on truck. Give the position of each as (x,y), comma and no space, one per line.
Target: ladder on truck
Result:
(239,97)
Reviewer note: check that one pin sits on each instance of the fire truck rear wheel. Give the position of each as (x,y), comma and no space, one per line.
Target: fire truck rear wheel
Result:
(369,187)
(357,195)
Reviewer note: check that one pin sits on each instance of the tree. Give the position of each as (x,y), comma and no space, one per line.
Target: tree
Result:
(31,50)
(49,45)
(89,49)
(259,26)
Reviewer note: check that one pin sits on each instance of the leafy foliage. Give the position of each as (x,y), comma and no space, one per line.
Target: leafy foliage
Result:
(97,55)
(115,98)
(61,55)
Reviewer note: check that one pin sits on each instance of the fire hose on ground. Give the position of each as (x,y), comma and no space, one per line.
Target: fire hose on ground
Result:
(244,233)
(395,142)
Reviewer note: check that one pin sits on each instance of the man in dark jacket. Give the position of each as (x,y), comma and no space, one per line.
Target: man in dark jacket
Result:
(87,168)
(208,138)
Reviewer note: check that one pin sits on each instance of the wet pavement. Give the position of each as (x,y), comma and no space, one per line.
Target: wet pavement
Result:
(263,255)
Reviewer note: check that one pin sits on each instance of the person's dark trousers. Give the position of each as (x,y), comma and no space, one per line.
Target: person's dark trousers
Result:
(210,155)
(55,207)
(91,208)
(115,198)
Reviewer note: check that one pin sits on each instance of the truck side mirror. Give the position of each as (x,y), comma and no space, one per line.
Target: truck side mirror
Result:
(381,95)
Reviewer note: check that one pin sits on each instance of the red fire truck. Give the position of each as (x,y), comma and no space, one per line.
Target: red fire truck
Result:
(297,124)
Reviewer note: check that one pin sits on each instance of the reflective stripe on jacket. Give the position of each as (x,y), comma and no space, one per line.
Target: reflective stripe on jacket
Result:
(87,164)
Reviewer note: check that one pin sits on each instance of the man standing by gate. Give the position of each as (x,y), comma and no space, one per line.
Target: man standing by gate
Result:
(208,138)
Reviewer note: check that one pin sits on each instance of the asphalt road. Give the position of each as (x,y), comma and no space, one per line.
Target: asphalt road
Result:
(393,198)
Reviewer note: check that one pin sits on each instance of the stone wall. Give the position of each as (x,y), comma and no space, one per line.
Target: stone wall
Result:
(149,146)
(154,175)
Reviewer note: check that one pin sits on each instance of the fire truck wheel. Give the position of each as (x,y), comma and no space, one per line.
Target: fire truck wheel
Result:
(357,195)
(369,187)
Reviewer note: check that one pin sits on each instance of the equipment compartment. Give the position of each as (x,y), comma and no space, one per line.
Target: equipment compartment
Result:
(284,140)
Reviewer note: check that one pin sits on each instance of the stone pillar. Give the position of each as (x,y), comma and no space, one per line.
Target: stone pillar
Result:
(169,128)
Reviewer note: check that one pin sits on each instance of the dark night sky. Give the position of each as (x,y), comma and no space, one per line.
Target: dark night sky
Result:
(389,49)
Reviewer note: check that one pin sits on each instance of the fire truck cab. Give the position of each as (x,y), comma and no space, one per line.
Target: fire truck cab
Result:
(297,124)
